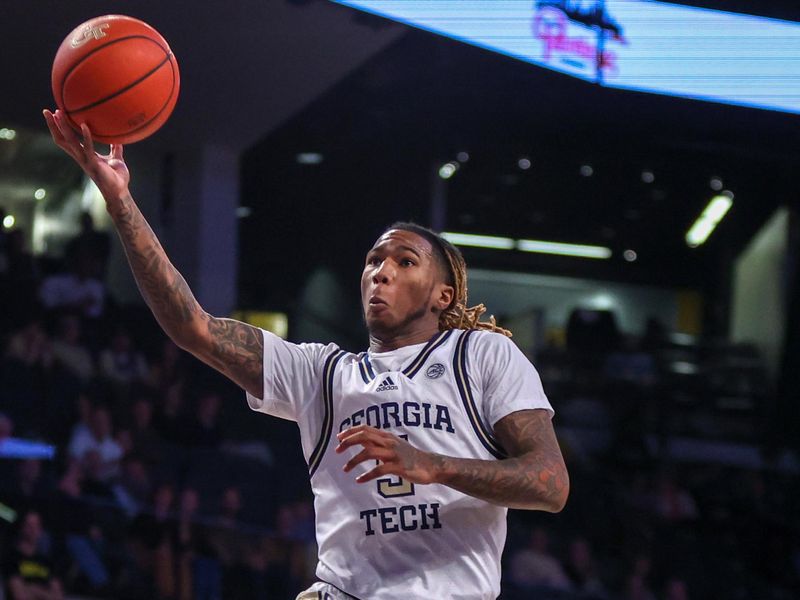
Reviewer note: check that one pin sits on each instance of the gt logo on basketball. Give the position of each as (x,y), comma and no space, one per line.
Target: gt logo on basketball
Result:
(91,32)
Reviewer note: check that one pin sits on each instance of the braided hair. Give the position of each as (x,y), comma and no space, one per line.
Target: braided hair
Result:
(457,315)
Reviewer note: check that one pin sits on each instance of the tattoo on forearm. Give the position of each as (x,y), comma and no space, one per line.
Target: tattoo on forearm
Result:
(534,476)
(162,286)
(236,348)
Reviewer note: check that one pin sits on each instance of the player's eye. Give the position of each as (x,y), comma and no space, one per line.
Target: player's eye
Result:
(373,261)
(406,262)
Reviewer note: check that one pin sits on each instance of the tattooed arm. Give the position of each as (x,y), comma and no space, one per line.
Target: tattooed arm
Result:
(233,348)
(534,476)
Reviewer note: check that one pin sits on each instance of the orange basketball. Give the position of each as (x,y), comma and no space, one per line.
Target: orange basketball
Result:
(117,75)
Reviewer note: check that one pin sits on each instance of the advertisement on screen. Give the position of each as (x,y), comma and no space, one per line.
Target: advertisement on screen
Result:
(633,44)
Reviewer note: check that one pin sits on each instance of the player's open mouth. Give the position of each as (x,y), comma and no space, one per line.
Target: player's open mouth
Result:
(376,300)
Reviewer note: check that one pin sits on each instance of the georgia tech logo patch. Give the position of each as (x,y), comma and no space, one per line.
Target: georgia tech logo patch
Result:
(435,371)
(90,32)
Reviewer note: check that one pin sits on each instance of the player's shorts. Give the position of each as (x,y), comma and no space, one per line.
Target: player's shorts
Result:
(324,591)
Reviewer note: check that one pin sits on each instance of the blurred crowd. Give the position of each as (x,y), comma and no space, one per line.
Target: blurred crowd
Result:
(129,470)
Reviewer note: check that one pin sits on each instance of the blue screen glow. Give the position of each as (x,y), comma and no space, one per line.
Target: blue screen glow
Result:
(633,44)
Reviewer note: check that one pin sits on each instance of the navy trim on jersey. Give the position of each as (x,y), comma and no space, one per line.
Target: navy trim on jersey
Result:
(327,402)
(362,369)
(370,370)
(464,390)
(365,368)
(436,341)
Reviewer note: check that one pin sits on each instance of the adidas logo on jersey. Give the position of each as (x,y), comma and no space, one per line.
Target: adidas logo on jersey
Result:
(386,385)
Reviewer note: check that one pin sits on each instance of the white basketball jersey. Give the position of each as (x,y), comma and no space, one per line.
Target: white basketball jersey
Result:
(389,538)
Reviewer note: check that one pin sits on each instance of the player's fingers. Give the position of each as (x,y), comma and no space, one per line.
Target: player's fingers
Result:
(116,151)
(71,140)
(63,127)
(67,141)
(51,125)
(88,144)
(353,430)
(371,453)
(379,471)
(364,438)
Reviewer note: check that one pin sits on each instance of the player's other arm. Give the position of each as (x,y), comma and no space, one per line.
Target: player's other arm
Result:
(233,348)
(534,476)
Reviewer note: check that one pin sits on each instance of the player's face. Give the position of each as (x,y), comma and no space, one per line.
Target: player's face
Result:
(401,286)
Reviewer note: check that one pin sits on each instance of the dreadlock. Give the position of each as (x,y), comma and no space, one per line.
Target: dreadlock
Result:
(457,315)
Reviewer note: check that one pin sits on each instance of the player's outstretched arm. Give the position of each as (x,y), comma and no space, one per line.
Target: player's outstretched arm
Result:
(534,476)
(233,348)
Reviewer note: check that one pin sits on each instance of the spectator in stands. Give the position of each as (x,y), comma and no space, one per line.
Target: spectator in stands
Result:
(135,486)
(672,502)
(676,590)
(121,363)
(151,536)
(654,336)
(96,449)
(534,566)
(30,488)
(199,573)
(77,290)
(636,588)
(637,583)
(203,427)
(592,333)
(169,421)
(582,570)
(27,571)
(22,276)
(91,245)
(225,536)
(231,507)
(73,520)
(29,345)
(168,369)
(69,352)
(145,440)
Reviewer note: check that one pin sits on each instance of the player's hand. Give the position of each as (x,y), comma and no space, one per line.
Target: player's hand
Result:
(109,172)
(396,455)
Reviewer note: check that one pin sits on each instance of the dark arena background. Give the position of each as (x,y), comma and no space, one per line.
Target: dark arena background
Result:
(305,127)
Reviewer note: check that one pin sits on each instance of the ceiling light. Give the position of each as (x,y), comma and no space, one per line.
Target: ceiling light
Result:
(505,243)
(587,170)
(715,184)
(242,212)
(309,158)
(462,157)
(559,248)
(479,241)
(40,194)
(708,220)
(8,221)
(447,170)
(7,134)
(648,176)
(524,164)
(630,255)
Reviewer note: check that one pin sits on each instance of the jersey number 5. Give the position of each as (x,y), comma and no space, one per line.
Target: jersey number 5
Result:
(393,487)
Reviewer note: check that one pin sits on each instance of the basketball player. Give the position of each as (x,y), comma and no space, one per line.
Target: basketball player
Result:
(415,448)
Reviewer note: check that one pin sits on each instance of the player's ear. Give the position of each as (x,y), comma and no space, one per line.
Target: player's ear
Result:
(444,296)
